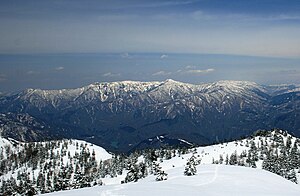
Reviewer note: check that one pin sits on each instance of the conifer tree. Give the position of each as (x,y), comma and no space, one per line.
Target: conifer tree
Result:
(292,176)
(190,168)
(233,159)
(161,176)
(132,175)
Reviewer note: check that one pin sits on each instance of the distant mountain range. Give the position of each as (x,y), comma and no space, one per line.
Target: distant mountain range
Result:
(121,116)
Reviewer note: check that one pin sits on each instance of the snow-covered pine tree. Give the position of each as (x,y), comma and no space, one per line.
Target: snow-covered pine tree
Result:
(291,175)
(190,168)
(226,160)
(132,175)
(221,159)
(294,156)
(156,168)
(233,159)
(161,176)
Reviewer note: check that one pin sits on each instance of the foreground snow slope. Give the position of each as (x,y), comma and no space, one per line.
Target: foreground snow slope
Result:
(210,180)
(68,152)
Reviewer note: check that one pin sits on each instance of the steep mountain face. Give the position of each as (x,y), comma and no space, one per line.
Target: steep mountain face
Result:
(121,115)
(24,127)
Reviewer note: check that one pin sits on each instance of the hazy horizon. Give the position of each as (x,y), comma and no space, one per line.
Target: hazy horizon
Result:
(70,43)
(58,71)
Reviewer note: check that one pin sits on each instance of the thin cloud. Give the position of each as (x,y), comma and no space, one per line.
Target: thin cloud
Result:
(200,15)
(190,67)
(289,72)
(59,68)
(161,73)
(109,74)
(285,17)
(2,77)
(31,72)
(199,71)
(126,55)
(162,4)
(164,56)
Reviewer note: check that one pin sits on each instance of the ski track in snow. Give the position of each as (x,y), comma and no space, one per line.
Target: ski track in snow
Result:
(112,191)
(211,180)
(215,176)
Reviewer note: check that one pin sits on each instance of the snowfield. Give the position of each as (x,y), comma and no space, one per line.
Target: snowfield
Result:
(210,180)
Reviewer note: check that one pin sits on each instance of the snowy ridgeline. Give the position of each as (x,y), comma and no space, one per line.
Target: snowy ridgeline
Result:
(70,164)
(41,166)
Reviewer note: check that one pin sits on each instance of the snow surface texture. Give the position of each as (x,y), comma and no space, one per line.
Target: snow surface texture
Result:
(210,180)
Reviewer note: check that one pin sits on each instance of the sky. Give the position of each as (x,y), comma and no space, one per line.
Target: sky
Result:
(53,44)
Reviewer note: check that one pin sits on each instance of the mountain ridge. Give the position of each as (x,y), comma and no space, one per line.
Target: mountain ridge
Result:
(120,115)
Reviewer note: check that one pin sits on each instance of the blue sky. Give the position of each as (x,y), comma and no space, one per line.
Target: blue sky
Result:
(257,40)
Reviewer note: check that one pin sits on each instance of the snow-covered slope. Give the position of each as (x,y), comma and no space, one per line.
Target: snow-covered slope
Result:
(94,92)
(7,146)
(212,180)
(249,152)
(283,88)
(10,146)
(52,157)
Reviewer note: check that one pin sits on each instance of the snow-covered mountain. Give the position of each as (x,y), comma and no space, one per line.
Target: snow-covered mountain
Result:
(228,168)
(121,115)
(24,127)
(27,167)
